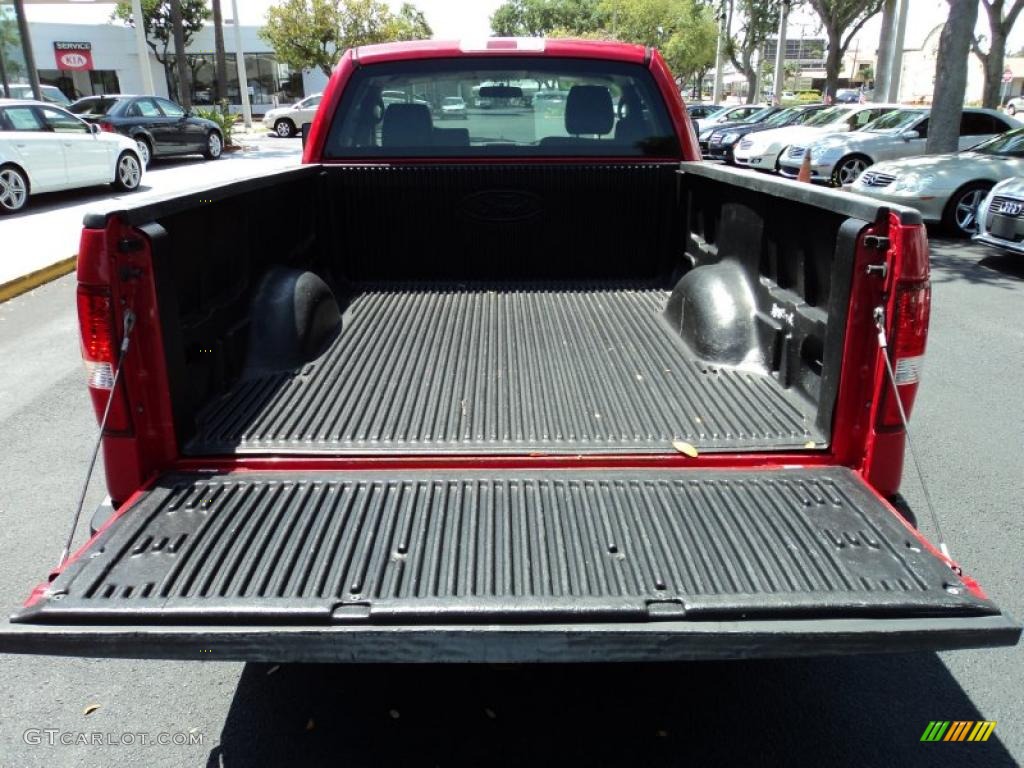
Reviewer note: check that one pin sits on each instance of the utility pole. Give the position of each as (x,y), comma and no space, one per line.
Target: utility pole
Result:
(716,94)
(178,30)
(141,49)
(26,49)
(243,82)
(780,54)
(884,55)
(220,58)
(896,57)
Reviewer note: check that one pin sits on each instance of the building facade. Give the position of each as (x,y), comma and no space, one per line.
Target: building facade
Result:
(90,59)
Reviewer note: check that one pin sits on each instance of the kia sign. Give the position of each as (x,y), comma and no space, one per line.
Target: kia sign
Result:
(73,56)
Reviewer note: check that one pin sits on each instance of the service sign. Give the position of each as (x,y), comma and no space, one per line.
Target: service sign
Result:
(73,56)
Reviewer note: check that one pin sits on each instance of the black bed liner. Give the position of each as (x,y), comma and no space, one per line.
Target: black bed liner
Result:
(509,545)
(506,368)
(506,565)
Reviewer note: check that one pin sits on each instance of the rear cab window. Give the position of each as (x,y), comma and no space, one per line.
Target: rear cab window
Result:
(516,107)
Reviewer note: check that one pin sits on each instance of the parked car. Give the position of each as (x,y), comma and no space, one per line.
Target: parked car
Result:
(591,400)
(716,123)
(288,121)
(1001,217)
(733,114)
(702,110)
(51,94)
(453,107)
(1014,105)
(763,150)
(839,159)
(847,96)
(44,148)
(724,139)
(947,188)
(159,127)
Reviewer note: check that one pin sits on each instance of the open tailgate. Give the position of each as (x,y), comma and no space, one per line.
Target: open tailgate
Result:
(506,565)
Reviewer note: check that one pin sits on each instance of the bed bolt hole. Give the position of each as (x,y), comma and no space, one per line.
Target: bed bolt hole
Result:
(402,549)
(912,547)
(952,589)
(659,585)
(612,549)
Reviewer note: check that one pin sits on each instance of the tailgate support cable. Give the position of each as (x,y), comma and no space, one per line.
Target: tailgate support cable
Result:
(129,323)
(884,344)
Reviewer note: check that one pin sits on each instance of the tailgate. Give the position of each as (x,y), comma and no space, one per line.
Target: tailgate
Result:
(506,565)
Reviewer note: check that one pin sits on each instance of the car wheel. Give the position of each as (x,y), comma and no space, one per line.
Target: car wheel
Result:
(284,128)
(128,174)
(145,152)
(960,217)
(13,189)
(214,146)
(848,169)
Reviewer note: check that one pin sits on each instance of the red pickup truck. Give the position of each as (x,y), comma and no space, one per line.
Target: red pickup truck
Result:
(538,387)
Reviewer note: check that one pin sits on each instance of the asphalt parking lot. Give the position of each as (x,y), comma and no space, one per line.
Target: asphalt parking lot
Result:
(968,425)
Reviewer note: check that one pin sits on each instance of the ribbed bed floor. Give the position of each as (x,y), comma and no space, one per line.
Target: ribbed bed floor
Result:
(481,368)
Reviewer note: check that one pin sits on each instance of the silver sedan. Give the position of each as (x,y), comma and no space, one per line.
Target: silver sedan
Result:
(947,188)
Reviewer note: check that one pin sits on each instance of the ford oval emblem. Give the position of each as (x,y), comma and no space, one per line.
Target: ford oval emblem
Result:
(501,205)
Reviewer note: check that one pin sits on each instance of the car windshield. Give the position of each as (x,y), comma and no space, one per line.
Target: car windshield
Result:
(522,106)
(93,107)
(782,118)
(1009,144)
(895,120)
(453,100)
(826,116)
(761,114)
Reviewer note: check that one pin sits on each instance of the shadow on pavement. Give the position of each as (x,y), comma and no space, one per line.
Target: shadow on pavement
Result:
(962,260)
(840,711)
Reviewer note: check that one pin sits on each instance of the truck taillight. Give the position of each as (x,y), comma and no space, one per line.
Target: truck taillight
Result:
(907,341)
(100,354)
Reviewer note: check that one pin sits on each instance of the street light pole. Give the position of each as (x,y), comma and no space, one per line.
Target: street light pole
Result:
(141,49)
(780,54)
(26,50)
(243,82)
(716,94)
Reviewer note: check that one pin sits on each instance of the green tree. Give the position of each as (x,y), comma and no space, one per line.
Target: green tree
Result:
(156,20)
(1002,15)
(551,18)
(842,20)
(313,33)
(759,19)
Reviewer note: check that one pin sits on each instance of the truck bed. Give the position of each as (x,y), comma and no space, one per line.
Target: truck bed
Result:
(498,367)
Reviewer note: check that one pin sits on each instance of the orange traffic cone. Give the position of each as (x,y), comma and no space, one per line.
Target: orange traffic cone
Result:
(805,167)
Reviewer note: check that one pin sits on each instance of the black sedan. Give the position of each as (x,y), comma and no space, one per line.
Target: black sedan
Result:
(724,137)
(160,127)
(704,136)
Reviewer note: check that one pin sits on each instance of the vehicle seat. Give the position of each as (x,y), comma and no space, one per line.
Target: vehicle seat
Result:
(588,112)
(407,125)
(631,127)
(451,137)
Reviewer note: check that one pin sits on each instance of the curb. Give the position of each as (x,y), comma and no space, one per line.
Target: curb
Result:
(25,283)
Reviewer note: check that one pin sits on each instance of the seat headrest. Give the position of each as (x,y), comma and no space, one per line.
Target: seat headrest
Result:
(588,110)
(407,125)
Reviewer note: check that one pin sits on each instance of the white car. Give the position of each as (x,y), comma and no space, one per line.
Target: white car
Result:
(947,188)
(762,150)
(1001,217)
(729,115)
(839,159)
(288,121)
(44,148)
(453,107)
(50,93)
